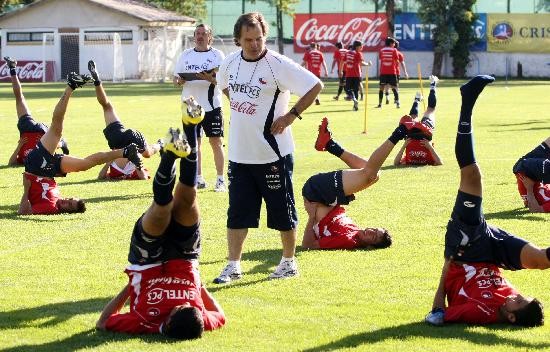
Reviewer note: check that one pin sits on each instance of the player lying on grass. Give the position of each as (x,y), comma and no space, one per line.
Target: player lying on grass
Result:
(119,137)
(30,131)
(418,148)
(165,292)
(40,192)
(328,227)
(471,279)
(533,177)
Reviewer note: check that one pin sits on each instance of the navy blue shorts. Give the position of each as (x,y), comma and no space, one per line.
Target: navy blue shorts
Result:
(177,242)
(470,239)
(250,183)
(41,163)
(535,164)
(119,137)
(326,188)
(27,124)
(212,124)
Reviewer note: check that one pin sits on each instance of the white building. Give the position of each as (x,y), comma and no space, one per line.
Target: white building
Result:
(126,38)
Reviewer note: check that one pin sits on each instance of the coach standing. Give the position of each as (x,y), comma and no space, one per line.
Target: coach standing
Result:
(258,83)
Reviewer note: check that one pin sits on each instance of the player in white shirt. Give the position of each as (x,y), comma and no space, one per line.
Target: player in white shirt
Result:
(200,65)
(258,83)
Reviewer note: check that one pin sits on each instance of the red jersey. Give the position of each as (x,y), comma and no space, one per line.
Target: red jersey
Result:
(388,60)
(314,60)
(475,292)
(339,56)
(541,192)
(43,194)
(129,172)
(353,63)
(400,59)
(32,140)
(417,154)
(155,290)
(336,230)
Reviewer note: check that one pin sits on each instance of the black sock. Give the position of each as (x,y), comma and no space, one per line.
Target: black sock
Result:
(13,72)
(97,83)
(334,148)
(165,179)
(188,165)
(395,94)
(414,108)
(380,96)
(432,101)
(340,89)
(398,134)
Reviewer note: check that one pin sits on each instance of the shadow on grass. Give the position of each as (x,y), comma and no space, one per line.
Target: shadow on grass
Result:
(523,123)
(412,331)
(2,167)
(522,213)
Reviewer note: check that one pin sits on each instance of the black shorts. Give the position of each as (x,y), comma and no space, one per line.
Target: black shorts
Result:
(177,242)
(535,164)
(212,124)
(392,80)
(41,163)
(326,188)
(470,239)
(119,137)
(26,124)
(250,183)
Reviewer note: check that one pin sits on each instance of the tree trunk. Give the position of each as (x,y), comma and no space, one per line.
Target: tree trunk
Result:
(280,30)
(438,64)
(390,14)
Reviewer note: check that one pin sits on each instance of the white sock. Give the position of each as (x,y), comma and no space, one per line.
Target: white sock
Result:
(283,259)
(200,178)
(235,264)
(220,178)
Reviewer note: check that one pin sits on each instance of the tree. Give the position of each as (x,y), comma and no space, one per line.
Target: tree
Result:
(191,8)
(437,12)
(390,12)
(463,18)
(6,5)
(281,7)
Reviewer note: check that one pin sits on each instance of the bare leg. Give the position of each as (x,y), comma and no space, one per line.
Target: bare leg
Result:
(217,149)
(235,243)
(186,208)
(51,138)
(108,110)
(288,239)
(20,102)
(72,164)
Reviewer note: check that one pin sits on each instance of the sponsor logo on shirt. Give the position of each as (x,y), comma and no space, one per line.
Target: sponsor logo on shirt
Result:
(244,107)
(153,312)
(157,295)
(469,204)
(418,154)
(261,80)
(253,92)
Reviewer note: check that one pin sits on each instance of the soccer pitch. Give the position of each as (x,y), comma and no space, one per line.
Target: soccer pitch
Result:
(57,272)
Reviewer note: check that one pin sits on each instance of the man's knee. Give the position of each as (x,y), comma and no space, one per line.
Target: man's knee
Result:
(471,174)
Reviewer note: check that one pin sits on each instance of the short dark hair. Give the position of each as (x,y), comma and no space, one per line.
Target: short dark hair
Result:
(80,206)
(356,44)
(249,20)
(530,315)
(385,242)
(338,45)
(389,41)
(185,324)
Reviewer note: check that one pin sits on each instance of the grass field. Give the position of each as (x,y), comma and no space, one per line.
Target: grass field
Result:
(57,272)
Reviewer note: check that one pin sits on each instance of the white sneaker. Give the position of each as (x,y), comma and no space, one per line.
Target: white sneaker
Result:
(220,186)
(285,270)
(433,79)
(201,184)
(228,274)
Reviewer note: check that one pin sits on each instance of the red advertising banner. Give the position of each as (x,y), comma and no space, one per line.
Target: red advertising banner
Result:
(326,29)
(28,71)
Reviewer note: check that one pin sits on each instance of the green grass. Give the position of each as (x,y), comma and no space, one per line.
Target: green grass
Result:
(57,272)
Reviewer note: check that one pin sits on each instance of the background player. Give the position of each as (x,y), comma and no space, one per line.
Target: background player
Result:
(328,227)
(354,61)
(400,63)
(119,137)
(533,177)
(314,61)
(204,60)
(30,131)
(389,61)
(471,279)
(337,59)
(165,292)
(40,193)
(418,148)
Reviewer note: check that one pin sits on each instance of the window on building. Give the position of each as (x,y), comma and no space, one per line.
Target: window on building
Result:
(126,37)
(29,37)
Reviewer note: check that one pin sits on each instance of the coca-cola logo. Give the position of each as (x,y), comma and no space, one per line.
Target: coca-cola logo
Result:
(327,29)
(243,107)
(29,71)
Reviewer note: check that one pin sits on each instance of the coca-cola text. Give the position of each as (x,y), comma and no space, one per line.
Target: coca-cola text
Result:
(28,71)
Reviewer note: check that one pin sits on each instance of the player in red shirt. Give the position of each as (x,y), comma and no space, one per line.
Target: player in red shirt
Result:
(418,148)
(389,63)
(471,279)
(400,63)
(164,291)
(314,60)
(352,66)
(533,178)
(30,131)
(121,169)
(328,227)
(42,162)
(337,61)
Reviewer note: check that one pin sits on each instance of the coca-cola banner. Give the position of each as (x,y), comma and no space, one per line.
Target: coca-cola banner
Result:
(28,71)
(326,29)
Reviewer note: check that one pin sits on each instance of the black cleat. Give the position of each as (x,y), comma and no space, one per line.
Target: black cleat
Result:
(74,80)
(64,146)
(93,71)
(130,152)
(11,62)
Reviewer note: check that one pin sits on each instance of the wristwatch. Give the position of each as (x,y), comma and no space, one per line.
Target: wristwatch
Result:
(295,112)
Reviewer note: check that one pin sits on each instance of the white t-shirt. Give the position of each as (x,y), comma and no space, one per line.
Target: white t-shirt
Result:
(259,92)
(192,61)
